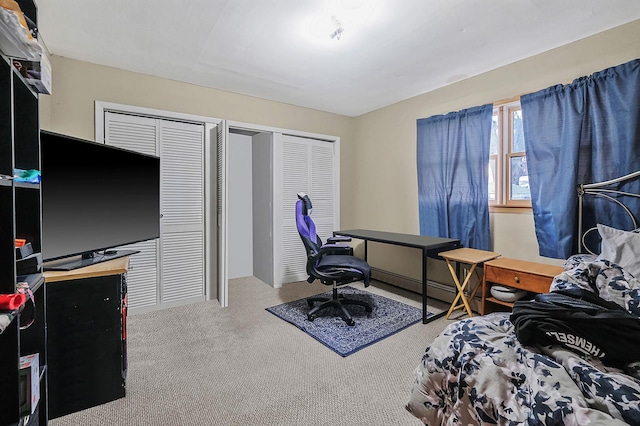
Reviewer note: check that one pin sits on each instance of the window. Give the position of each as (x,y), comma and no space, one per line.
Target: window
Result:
(508,176)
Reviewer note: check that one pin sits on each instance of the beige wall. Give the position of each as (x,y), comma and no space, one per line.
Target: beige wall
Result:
(380,190)
(77,85)
(378,171)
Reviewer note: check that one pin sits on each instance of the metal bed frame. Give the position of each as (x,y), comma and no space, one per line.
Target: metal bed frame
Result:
(601,189)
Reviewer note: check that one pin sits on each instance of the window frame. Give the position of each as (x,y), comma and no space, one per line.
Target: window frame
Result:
(503,188)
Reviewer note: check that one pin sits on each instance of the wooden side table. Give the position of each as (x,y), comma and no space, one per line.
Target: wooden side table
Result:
(530,276)
(472,257)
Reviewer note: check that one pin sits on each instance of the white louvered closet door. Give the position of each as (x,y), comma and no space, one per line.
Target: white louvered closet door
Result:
(137,134)
(182,200)
(170,269)
(308,165)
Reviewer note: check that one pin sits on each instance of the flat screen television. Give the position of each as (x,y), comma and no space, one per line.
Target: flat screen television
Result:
(94,197)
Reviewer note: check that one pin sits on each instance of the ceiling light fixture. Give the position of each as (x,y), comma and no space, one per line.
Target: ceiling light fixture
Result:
(337,28)
(351,12)
(340,16)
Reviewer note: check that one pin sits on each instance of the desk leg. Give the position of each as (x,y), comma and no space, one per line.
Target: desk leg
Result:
(425,307)
(424,286)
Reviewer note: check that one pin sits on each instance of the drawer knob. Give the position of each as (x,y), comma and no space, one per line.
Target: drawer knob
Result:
(517,279)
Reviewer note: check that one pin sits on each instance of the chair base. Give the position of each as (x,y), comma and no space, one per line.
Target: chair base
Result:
(338,301)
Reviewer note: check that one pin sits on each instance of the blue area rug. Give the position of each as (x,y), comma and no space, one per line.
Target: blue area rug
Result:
(388,317)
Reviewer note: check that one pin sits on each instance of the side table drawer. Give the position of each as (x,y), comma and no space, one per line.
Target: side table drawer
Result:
(518,279)
(533,277)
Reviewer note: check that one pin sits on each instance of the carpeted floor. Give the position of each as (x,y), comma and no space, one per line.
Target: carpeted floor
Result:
(205,365)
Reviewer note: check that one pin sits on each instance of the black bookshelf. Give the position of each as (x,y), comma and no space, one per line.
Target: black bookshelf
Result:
(24,331)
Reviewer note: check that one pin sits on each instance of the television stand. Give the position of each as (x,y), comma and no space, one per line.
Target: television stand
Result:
(69,264)
(87,347)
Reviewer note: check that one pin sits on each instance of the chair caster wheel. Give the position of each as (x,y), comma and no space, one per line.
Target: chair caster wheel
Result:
(311,317)
(369,309)
(350,322)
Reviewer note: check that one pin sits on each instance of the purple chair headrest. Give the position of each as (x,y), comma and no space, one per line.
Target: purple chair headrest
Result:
(307,207)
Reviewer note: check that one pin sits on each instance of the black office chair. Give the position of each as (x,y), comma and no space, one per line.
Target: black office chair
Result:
(332,263)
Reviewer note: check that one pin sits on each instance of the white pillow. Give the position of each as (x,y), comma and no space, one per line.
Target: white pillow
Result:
(620,247)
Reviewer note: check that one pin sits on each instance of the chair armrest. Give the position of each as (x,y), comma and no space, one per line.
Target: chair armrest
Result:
(345,249)
(338,238)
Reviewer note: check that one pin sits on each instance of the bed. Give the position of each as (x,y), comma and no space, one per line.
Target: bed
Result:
(477,371)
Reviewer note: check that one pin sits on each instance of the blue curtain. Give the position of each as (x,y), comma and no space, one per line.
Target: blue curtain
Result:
(583,132)
(453,180)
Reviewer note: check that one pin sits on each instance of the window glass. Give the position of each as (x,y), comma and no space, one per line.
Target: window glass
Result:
(492,179)
(495,134)
(519,179)
(518,135)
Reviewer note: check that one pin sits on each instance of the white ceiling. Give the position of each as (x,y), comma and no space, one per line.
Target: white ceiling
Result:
(268,49)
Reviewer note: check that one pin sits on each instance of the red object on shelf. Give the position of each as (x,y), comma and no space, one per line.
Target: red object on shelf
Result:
(11,302)
(20,242)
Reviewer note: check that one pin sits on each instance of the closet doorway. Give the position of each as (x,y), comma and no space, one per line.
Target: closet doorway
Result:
(267,167)
(249,204)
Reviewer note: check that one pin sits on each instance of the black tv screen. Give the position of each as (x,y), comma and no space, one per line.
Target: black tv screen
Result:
(95,197)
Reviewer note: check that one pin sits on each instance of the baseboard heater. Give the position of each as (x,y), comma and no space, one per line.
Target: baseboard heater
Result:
(436,290)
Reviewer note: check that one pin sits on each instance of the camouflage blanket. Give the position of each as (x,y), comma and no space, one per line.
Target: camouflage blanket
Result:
(477,372)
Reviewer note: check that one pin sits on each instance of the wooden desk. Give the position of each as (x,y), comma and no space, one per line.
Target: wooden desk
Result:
(430,247)
(472,257)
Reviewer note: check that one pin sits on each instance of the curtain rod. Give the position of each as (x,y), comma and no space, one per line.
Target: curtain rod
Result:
(517,97)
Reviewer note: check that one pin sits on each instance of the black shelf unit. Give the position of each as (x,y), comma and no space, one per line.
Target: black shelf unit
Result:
(20,218)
